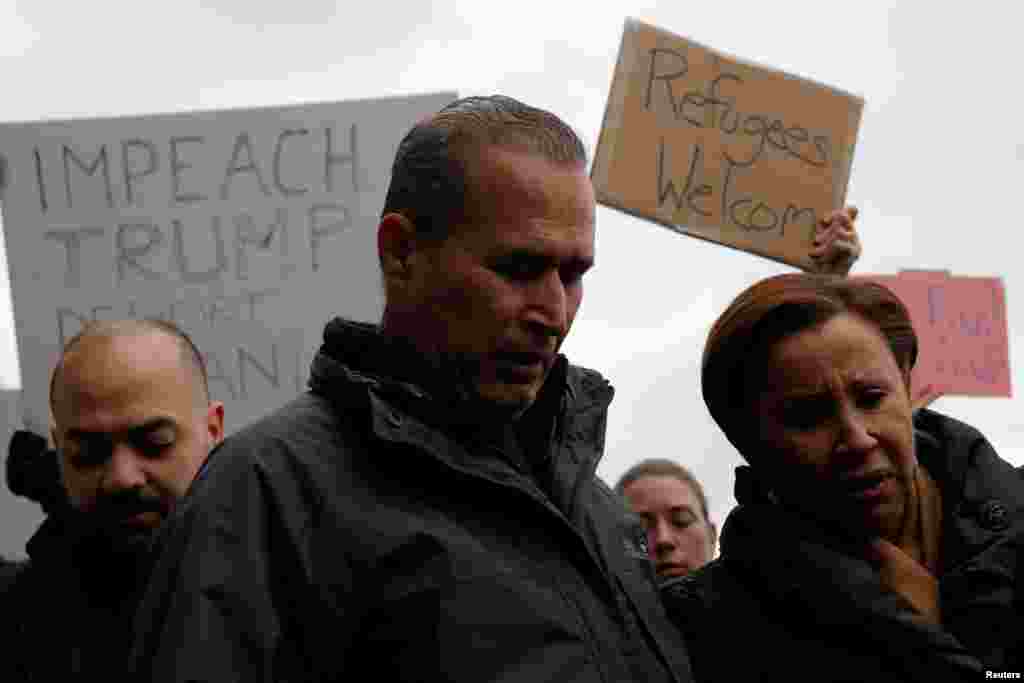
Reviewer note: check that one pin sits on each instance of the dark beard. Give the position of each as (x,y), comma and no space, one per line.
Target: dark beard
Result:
(112,562)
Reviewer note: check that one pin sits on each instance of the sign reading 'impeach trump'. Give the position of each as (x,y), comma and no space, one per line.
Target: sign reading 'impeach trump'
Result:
(248,227)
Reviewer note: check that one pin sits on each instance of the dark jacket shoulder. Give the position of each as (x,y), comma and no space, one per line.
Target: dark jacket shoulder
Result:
(10,570)
(948,444)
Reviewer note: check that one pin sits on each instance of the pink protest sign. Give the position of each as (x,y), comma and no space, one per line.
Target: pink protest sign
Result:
(961,328)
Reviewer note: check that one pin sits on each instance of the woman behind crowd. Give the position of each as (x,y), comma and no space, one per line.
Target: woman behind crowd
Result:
(871,542)
(674,511)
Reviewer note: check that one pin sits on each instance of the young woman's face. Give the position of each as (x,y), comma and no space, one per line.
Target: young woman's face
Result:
(679,537)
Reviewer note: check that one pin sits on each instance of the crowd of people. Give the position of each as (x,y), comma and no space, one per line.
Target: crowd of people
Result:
(429,509)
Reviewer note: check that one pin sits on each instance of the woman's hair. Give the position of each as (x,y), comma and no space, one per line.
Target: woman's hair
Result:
(661,467)
(739,344)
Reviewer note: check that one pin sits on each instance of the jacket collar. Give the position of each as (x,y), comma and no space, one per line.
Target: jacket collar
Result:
(356,352)
(359,353)
(407,386)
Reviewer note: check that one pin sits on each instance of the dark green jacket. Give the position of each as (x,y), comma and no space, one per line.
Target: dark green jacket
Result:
(373,530)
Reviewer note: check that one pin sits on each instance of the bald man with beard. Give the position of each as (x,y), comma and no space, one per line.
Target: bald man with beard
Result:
(132,423)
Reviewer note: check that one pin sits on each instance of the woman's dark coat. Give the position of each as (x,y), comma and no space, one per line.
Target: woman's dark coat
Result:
(787,601)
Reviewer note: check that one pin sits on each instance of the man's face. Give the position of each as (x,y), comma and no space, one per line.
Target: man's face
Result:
(503,289)
(132,427)
(679,537)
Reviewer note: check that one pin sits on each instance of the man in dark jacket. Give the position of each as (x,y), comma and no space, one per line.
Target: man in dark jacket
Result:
(133,422)
(429,510)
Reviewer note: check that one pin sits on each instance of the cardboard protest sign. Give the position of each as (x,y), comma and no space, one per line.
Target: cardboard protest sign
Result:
(722,149)
(962,331)
(250,228)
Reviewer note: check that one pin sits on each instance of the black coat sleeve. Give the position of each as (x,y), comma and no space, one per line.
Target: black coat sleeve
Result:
(232,596)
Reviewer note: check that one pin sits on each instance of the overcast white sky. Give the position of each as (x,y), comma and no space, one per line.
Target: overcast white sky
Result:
(937,174)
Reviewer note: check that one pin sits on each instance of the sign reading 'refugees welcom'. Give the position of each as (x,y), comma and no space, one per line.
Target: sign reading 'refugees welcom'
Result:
(714,147)
(249,228)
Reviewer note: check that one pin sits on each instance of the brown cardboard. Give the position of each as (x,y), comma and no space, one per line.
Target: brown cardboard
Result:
(723,149)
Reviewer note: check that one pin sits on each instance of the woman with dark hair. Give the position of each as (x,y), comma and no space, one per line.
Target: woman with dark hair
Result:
(871,541)
(673,508)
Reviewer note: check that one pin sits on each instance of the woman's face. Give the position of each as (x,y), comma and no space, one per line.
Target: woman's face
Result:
(835,424)
(679,538)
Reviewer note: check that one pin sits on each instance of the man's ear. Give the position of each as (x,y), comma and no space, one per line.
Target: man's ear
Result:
(396,244)
(215,422)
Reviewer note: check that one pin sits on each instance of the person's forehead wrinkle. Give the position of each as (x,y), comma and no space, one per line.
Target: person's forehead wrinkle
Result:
(799,360)
(819,378)
(788,381)
(93,377)
(493,172)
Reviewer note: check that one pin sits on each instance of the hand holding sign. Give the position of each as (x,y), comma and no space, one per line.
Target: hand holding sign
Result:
(836,245)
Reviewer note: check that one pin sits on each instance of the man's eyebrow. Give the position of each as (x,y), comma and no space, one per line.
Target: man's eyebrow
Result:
(146,427)
(153,425)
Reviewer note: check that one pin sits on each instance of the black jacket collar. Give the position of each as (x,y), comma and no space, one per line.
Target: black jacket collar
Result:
(358,356)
